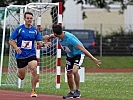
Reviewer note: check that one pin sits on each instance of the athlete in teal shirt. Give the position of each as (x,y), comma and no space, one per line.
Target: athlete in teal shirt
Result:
(75,56)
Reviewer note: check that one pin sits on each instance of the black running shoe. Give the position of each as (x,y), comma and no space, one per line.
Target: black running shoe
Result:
(68,96)
(77,94)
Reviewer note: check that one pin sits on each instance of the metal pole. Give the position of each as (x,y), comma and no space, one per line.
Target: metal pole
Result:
(58,63)
(101,26)
(3,43)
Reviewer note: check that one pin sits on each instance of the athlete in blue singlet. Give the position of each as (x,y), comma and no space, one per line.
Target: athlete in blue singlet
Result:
(25,40)
(25,52)
(75,56)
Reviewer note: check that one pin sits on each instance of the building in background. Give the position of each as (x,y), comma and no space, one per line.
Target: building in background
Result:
(95,17)
(110,21)
(98,19)
(128,18)
(72,17)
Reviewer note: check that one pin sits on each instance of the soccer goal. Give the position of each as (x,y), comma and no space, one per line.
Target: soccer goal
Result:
(48,58)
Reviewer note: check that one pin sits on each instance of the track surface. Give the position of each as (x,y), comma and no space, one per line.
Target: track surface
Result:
(17,95)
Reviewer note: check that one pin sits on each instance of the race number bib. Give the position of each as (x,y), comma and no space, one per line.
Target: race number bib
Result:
(66,49)
(26,44)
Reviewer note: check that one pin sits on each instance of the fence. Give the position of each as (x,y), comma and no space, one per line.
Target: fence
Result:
(114,43)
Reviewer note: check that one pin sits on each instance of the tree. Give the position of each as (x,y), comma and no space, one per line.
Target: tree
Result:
(105,3)
(55,9)
(4,3)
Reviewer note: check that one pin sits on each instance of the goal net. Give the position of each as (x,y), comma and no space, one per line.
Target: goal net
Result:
(44,16)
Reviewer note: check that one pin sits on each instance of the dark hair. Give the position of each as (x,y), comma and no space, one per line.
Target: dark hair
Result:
(57,29)
(27,13)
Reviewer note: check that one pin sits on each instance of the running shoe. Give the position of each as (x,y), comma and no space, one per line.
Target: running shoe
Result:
(77,94)
(68,96)
(33,94)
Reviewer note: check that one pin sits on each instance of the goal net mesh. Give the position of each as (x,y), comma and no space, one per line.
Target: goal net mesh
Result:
(47,62)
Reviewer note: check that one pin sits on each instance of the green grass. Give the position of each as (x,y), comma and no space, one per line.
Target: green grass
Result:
(123,62)
(107,86)
(107,62)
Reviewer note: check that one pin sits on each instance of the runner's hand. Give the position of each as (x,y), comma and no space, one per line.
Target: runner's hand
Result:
(46,38)
(97,62)
(48,44)
(18,50)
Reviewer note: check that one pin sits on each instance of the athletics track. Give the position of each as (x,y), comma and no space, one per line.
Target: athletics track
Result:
(17,95)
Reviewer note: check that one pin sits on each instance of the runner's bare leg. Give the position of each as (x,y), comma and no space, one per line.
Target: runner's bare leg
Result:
(76,76)
(33,68)
(21,73)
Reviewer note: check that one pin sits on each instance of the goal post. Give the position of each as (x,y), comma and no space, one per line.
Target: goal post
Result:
(48,58)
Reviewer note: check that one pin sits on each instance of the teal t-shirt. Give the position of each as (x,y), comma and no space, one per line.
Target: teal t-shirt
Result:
(69,44)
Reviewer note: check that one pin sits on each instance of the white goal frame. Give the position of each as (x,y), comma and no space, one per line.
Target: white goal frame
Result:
(58,55)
